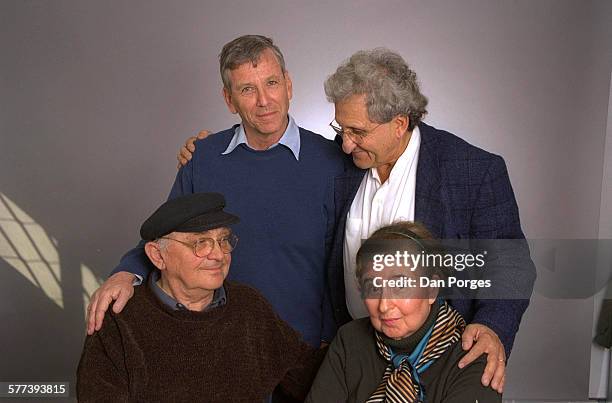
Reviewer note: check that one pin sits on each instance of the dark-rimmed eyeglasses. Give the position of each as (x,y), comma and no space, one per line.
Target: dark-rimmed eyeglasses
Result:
(354,134)
(204,246)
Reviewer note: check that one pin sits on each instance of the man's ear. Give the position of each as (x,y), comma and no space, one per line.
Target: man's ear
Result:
(289,85)
(227,96)
(401,125)
(153,251)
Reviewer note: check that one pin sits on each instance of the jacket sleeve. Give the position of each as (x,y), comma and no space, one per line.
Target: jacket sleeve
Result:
(495,216)
(102,373)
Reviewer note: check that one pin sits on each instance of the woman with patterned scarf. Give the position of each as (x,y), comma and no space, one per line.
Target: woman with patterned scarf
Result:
(408,350)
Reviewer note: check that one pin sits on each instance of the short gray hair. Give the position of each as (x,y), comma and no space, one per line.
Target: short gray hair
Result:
(383,76)
(246,48)
(162,243)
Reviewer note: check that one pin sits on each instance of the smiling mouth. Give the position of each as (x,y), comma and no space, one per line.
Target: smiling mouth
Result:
(214,269)
(388,321)
(266,115)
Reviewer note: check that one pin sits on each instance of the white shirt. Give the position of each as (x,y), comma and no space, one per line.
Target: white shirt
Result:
(376,205)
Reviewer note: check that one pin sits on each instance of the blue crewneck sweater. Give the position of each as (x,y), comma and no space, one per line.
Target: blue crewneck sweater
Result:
(286,208)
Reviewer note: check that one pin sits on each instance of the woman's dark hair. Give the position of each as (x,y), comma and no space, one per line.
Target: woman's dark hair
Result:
(404,236)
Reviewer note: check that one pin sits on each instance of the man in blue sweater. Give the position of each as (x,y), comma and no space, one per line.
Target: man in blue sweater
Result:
(276,175)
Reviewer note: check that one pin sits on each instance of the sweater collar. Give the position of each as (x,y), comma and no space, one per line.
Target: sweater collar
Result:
(407,344)
(290,139)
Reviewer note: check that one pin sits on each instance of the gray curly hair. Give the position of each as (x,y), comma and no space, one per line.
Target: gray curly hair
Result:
(390,86)
(246,48)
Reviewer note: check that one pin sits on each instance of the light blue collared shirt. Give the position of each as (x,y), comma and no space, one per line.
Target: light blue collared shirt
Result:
(290,139)
(219,296)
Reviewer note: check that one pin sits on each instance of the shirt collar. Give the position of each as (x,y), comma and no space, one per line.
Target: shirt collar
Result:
(405,159)
(290,139)
(219,296)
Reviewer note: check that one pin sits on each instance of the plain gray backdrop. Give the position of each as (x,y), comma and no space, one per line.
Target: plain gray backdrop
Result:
(96,98)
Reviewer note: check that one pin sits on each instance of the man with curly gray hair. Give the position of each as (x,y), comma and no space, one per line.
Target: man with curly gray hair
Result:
(408,170)
(390,86)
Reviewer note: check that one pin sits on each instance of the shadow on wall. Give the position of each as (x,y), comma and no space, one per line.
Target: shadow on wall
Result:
(43,307)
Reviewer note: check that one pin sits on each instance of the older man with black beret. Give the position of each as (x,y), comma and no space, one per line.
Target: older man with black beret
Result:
(189,335)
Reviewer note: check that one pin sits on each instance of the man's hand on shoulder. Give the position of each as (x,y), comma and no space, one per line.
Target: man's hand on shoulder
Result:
(480,339)
(186,151)
(119,287)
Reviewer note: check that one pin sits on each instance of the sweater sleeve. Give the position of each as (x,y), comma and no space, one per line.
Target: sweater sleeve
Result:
(330,382)
(299,360)
(299,377)
(135,261)
(102,371)
(286,359)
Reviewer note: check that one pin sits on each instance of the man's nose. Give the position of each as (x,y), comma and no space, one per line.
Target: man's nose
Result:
(216,253)
(348,145)
(262,97)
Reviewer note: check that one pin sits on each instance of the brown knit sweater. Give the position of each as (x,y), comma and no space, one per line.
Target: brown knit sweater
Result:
(237,352)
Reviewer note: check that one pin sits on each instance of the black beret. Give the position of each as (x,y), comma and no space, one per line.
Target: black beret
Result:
(196,212)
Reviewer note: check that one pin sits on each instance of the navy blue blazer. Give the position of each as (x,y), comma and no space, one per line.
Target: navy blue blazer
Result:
(462,192)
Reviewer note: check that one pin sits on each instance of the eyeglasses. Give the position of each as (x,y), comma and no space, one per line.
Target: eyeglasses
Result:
(355,135)
(204,246)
